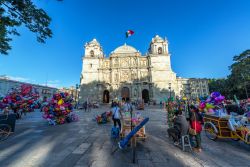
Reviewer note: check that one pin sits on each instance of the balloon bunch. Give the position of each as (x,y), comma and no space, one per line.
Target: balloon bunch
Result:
(215,99)
(59,109)
(24,98)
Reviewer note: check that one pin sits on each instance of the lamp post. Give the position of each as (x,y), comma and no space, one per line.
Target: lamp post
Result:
(76,95)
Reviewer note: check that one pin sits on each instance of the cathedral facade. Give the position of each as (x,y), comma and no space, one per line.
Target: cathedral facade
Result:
(127,74)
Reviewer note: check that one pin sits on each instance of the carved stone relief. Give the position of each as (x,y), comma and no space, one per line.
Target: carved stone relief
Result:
(116,62)
(143,63)
(106,64)
(133,75)
(125,62)
(125,76)
(133,62)
(116,77)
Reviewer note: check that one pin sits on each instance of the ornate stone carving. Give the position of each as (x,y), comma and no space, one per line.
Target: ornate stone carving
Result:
(133,62)
(143,63)
(135,92)
(125,62)
(106,77)
(116,77)
(133,75)
(125,76)
(106,64)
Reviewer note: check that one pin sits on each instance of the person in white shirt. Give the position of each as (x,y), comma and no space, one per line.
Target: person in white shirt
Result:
(116,115)
(127,107)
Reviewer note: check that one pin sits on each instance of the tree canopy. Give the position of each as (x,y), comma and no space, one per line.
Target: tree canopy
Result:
(14,13)
(238,82)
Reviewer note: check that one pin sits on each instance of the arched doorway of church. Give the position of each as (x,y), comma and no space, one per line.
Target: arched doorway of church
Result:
(125,93)
(145,95)
(106,96)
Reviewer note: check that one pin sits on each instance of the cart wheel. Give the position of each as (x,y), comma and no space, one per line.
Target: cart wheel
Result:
(235,139)
(210,131)
(5,131)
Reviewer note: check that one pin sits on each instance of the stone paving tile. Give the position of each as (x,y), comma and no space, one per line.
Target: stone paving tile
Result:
(145,163)
(70,160)
(81,149)
(99,163)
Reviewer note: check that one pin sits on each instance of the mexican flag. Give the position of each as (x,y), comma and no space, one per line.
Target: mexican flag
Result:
(129,33)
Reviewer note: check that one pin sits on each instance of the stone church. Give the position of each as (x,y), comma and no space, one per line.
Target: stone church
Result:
(127,74)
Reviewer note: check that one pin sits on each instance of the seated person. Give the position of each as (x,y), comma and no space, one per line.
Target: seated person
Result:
(180,128)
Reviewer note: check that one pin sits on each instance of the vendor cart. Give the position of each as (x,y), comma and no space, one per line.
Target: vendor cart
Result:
(126,128)
(217,127)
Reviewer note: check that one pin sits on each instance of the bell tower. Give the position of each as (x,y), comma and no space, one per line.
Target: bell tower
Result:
(158,46)
(91,61)
(161,71)
(93,49)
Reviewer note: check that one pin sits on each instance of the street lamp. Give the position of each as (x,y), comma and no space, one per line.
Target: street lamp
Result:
(76,95)
(169,87)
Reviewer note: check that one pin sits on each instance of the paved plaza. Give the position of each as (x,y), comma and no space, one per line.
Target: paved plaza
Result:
(87,144)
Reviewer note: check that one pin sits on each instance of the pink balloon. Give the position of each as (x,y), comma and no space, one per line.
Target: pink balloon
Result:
(210,110)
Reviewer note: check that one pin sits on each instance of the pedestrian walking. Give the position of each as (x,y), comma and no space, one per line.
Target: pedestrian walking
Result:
(85,106)
(89,107)
(116,115)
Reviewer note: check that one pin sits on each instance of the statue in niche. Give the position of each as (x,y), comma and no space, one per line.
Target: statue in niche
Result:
(135,92)
(133,63)
(134,75)
(116,63)
(116,77)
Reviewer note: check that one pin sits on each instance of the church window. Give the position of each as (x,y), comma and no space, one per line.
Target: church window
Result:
(90,65)
(92,53)
(160,50)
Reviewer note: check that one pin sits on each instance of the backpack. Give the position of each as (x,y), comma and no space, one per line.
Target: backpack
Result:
(115,132)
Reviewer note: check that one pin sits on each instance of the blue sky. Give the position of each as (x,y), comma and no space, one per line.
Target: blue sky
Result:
(203,36)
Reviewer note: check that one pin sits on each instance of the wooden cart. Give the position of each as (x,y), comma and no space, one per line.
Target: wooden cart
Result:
(217,127)
(126,128)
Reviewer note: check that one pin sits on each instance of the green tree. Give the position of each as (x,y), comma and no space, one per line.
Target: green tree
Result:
(220,85)
(14,13)
(240,74)
(238,82)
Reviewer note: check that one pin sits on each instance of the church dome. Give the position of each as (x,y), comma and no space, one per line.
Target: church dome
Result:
(125,49)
